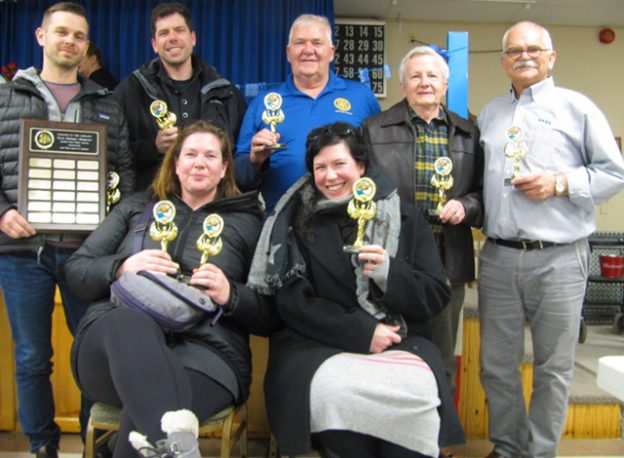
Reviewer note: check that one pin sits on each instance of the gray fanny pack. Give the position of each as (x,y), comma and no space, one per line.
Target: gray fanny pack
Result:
(174,305)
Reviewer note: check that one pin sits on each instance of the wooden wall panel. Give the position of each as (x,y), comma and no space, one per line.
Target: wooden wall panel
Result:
(593,421)
(583,421)
(7,384)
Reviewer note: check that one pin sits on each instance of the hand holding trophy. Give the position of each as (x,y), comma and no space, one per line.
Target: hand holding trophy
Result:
(163,229)
(273,115)
(210,243)
(361,208)
(442,181)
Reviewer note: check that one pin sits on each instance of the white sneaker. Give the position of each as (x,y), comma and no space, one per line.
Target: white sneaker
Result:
(182,429)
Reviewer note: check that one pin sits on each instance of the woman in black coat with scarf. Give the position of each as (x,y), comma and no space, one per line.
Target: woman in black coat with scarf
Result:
(353,372)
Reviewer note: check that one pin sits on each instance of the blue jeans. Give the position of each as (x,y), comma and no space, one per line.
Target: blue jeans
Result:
(28,285)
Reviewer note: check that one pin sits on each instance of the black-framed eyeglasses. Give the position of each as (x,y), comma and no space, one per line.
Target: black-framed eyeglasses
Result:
(340,128)
(532,52)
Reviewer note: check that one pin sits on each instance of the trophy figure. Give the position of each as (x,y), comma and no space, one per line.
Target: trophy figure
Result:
(210,243)
(514,150)
(164,117)
(113,195)
(442,181)
(163,229)
(273,115)
(361,208)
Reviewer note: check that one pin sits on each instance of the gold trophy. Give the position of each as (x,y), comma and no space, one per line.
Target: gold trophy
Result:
(210,243)
(164,117)
(442,181)
(163,229)
(273,115)
(113,195)
(362,208)
(514,150)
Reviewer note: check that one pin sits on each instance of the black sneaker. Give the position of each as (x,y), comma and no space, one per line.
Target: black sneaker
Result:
(47,451)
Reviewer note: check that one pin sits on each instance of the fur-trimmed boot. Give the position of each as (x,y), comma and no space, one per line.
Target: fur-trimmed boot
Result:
(182,429)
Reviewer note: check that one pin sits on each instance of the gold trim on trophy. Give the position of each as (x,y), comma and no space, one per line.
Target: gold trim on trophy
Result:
(210,243)
(164,117)
(361,208)
(113,195)
(273,115)
(442,180)
(163,229)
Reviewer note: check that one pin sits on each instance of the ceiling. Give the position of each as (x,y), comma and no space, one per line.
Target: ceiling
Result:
(548,12)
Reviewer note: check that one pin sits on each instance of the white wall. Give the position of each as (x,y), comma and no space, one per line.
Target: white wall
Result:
(583,64)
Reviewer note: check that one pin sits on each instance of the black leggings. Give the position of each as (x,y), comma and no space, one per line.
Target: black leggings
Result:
(123,360)
(348,444)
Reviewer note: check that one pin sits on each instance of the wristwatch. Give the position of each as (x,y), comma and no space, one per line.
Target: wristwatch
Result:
(560,185)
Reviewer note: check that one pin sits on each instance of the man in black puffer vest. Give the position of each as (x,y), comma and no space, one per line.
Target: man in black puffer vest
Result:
(31,263)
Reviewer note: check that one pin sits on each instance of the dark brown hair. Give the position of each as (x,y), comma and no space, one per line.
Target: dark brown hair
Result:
(167,9)
(68,7)
(332,134)
(93,50)
(166,183)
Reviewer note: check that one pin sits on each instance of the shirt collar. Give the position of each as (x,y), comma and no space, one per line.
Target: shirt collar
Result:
(333,83)
(441,117)
(536,90)
(162,73)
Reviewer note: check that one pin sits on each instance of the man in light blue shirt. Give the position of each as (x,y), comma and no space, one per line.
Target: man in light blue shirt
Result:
(550,157)
(312,97)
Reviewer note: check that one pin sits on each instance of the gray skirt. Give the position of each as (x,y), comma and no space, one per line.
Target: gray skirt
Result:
(391,395)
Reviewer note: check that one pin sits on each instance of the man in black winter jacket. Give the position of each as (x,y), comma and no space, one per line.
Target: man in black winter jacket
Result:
(191,89)
(31,263)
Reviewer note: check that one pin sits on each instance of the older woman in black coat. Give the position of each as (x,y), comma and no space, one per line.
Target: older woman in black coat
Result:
(353,373)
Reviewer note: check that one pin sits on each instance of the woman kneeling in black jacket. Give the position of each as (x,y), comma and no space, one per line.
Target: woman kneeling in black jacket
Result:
(121,356)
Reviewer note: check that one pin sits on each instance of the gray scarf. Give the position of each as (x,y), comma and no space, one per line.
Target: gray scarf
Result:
(277,257)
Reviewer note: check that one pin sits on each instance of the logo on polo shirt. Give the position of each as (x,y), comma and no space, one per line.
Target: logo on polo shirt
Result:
(342,105)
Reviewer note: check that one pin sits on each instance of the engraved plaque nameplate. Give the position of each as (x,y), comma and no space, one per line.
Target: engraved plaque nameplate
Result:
(62,175)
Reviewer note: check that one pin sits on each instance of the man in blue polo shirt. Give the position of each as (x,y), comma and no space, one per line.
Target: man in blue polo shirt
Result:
(313,97)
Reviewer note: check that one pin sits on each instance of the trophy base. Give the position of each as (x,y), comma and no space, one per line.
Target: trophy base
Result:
(183,278)
(186,279)
(350,249)
(507,181)
(433,212)
(276,147)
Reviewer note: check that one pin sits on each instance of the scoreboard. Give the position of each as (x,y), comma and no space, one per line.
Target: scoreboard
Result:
(361,45)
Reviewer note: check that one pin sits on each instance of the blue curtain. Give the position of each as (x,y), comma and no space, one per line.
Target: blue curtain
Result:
(244,39)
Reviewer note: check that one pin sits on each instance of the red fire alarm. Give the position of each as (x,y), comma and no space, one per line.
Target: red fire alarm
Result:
(606,36)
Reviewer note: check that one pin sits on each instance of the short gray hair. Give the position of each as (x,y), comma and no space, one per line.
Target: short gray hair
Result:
(545,34)
(311,18)
(424,51)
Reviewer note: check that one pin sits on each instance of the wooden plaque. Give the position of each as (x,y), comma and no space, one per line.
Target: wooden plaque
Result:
(62,175)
